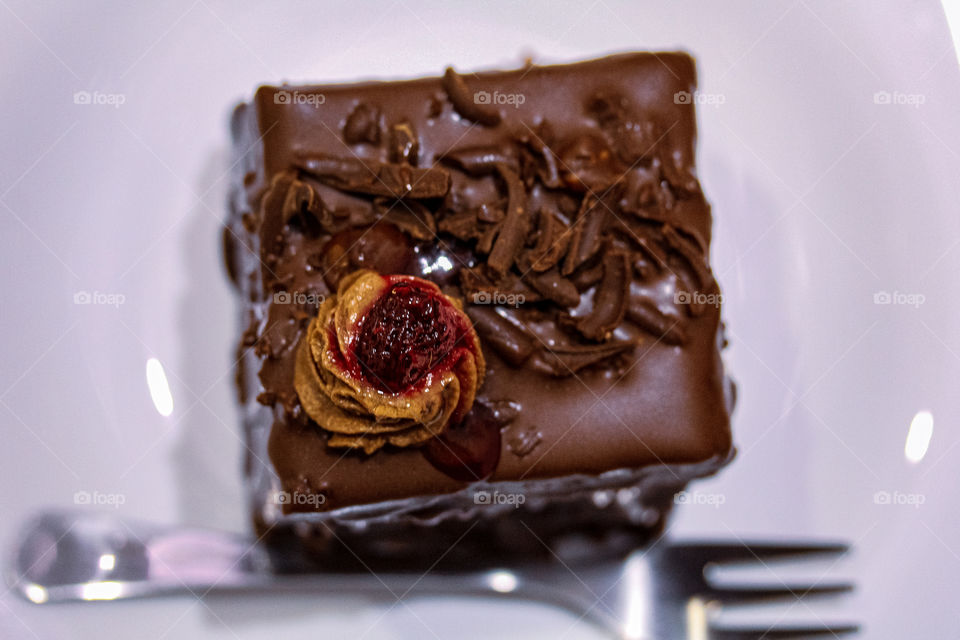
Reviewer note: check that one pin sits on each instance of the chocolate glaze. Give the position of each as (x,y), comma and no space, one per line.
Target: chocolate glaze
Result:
(580,200)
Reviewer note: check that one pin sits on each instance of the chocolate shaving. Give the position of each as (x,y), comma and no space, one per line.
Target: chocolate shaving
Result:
(677,171)
(435,106)
(479,161)
(302,199)
(610,300)
(644,192)
(566,360)
(490,213)
(552,286)
(463,100)
(645,315)
(543,156)
(479,289)
(653,250)
(362,125)
(461,225)
(587,230)
(642,266)
(404,144)
(410,216)
(486,238)
(508,340)
(271,214)
(524,442)
(688,214)
(586,277)
(646,238)
(696,277)
(513,230)
(552,241)
(377,178)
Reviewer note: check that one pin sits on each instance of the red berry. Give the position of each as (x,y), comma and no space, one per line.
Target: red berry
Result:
(408,332)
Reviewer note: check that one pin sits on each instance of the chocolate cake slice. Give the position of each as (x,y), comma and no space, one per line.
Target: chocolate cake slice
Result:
(475,302)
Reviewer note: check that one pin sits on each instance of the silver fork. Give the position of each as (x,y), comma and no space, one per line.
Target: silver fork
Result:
(660,593)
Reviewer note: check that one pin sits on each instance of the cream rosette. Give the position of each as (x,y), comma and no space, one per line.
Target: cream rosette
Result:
(360,381)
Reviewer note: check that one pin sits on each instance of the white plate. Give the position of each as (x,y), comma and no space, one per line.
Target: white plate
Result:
(823,198)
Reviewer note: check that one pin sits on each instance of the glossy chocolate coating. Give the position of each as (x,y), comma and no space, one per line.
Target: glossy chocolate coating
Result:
(614,122)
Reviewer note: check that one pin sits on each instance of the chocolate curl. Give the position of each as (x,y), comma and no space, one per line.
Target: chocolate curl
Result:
(376,178)
(508,340)
(464,103)
(583,279)
(645,315)
(460,224)
(404,144)
(552,242)
(513,229)
(479,289)
(694,272)
(479,161)
(410,216)
(566,360)
(486,238)
(363,125)
(302,199)
(543,157)
(552,286)
(610,300)
(587,233)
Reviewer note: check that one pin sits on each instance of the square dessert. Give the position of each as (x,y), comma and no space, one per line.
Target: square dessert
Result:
(475,299)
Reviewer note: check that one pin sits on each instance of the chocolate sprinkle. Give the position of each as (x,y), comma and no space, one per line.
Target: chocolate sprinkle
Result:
(566,360)
(513,231)
(508,340)
(695,275)
(460,224)
(362,125)
(479,161)
(410,216)
(645,315)
(301,199)
(404,145)
(377,178)
(463,101)
(553,239)
(610,300)
(587,230)
(552,286)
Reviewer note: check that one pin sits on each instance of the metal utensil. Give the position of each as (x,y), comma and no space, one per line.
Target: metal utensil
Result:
(659,593)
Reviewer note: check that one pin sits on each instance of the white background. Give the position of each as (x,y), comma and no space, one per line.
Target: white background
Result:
(822,198)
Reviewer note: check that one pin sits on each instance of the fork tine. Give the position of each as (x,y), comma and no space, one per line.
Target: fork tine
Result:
(781,633)
(706,553)
(755,593)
